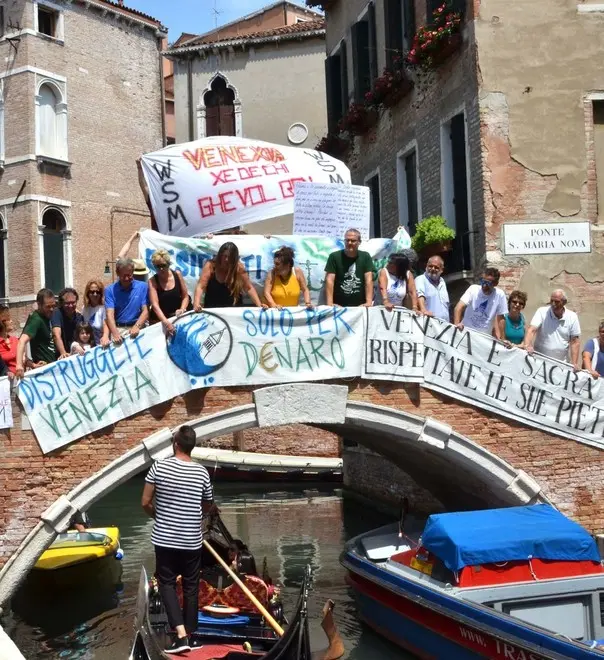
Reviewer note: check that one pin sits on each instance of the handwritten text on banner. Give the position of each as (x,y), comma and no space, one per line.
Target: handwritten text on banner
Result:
(249,346)
(327,209)
(220,182)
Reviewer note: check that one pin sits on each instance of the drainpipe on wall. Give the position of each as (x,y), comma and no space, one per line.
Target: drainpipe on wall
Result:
(190,97)
(162,88)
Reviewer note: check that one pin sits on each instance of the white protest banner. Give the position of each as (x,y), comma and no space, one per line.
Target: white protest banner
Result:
(6,406)
(532,389)
(394,346)
(220,182)
(323,209)
(71,398)
(256,253)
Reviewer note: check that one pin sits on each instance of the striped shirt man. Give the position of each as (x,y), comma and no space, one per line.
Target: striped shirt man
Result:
(177,493)
(180,489)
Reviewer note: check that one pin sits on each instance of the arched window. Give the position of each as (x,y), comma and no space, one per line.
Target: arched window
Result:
(51,127)
(220,109)
(53,241)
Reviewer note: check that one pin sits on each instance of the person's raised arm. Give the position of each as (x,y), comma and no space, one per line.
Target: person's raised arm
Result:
(184,294)
(154,302)
(368,288)
(412,290)
(575,345)
(303,286)
(24,339)
(330,280)
(202,285)
(383,286)
(268,287)
(147,499)
(58,340)
(458,313)
(123,253)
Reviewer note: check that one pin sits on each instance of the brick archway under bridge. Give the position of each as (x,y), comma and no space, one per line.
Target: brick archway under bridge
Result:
(464,456)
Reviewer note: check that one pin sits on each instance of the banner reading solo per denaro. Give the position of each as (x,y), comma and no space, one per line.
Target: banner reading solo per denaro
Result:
(221,182)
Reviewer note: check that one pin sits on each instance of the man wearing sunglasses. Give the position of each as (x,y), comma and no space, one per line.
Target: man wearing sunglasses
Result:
(481,305)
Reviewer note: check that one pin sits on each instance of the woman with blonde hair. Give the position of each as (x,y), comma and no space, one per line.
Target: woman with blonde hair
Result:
(223,281)
(168,295)
(285,282)
(94,307)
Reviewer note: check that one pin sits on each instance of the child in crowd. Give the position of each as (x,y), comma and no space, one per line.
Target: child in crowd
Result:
(84,339)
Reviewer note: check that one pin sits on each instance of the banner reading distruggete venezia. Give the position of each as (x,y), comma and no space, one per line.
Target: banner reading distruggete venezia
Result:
(248,346)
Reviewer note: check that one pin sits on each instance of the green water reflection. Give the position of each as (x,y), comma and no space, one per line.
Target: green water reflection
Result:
(289,526)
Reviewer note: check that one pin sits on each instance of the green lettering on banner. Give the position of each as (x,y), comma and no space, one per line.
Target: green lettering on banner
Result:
(316,344)
(141,382)
(282,359)
(91,398)
(302,356)
(112,401)
(50,420)
(62,413)
(341,362)
(80,412)
(251,357)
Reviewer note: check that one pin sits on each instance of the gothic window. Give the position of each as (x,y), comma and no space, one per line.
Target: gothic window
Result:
(220,109)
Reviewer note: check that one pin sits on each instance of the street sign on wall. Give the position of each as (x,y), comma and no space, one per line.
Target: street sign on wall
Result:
(546,238)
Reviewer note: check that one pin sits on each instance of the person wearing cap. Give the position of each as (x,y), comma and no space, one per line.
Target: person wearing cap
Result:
(126,302)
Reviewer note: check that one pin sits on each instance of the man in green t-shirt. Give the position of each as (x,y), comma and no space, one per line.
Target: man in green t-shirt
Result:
(38,334)
(349,281)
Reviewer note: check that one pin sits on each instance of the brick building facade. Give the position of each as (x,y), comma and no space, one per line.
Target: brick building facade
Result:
(81,100)
(492,135)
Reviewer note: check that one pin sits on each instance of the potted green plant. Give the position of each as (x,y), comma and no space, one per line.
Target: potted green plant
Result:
(432,235)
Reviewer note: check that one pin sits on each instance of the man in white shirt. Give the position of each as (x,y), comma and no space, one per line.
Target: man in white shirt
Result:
(432,294)
(554,330)
(481,305)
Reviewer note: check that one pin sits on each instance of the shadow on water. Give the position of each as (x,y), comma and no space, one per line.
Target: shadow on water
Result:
(289,525)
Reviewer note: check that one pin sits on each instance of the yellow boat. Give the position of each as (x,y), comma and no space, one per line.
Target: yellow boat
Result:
(75,548)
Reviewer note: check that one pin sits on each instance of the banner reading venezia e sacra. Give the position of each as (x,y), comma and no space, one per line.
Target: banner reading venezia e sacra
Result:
(71,398)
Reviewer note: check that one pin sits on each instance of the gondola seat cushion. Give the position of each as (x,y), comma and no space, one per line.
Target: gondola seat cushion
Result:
(234,596)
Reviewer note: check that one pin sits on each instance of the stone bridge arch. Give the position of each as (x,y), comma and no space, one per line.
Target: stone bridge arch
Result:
(461,454)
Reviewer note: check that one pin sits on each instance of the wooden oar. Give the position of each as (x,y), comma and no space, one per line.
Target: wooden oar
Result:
(259,606)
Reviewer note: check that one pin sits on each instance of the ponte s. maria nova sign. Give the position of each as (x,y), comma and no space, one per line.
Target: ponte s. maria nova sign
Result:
(546,238)
(71,398)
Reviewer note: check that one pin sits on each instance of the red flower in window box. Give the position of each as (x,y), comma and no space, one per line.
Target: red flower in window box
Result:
(334,145)
(435,42)
(359,119)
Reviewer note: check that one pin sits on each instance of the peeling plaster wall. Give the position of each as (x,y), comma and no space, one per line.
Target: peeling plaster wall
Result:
(537,61)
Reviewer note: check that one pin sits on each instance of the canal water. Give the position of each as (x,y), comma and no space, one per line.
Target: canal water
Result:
(290,526)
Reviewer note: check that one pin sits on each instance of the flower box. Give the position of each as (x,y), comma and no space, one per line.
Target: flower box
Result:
(397,93)
(448,47)
(334,145)
(437,41)
(359,119)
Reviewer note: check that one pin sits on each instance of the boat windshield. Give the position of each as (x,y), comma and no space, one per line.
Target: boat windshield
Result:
(76,539)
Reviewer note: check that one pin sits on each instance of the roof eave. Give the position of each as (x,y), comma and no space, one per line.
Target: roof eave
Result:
(242,41)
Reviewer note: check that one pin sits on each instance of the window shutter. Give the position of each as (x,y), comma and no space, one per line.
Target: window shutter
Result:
(212,120)
(343,78)
(227,119)
(54,269)
(334,92)
(360,60)
(411,185)
(393,21)
(372,44)
(408,21)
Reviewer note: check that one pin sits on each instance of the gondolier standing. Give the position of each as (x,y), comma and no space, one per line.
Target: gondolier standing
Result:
(177,493)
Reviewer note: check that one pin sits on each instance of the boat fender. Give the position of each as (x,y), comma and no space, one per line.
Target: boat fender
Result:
(119,554)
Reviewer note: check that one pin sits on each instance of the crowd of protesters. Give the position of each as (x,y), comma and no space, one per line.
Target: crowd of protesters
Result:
(59,326)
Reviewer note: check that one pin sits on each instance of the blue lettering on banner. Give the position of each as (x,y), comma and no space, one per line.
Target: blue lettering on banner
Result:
(81,372)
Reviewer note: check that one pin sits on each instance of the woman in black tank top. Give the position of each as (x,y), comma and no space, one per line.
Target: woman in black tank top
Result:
(223,281)
(168,293)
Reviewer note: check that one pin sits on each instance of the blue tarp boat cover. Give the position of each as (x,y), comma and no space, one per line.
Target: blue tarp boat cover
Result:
(470,538)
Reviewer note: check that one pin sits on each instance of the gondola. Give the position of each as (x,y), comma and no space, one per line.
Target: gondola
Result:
(230,626)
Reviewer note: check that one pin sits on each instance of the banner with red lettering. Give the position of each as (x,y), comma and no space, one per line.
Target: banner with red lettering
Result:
(221,182)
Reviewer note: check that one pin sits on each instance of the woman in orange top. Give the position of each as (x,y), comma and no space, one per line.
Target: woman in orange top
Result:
(285,282)
(8,343)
